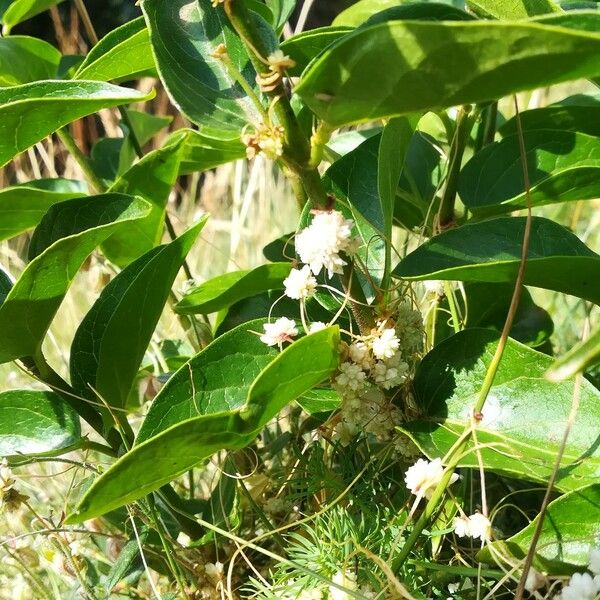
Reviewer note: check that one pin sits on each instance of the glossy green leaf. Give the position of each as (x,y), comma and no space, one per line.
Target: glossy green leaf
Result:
(214,381)
(21,10)
(111,157)
(6,284)
(571,528)
(111,341)
(524,416)
(227,289)
(282,11)
(512,9)
(307,45)
(581,356)
(579,113)
(36,422)
(22,206)
(201,152)
(563,166)
(68,233)
(157,460)
(442,64)
(30,112)
(184,35)
(557,259)
(319,401)
(152,179)
(24,59)
(123,54)
(364,10)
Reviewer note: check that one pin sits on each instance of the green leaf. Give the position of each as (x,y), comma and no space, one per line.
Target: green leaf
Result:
(214,381)
(393,148)
(123,54)
(21,10)
(442,64)
(111,341)
(571,528)
(579,113)
(512,9)
(488,304)
(24,59)
(563,166)
(319,401)
(524,416)
(305,46)
(282,10)
(365,10)
(6,284)
(184,35)
(68,233)
(557,259)
(201,152)
(36,422)
(30,112)
(175,450)
(152,178)
(128,561)
(581,356)
(22,206)
(227,289)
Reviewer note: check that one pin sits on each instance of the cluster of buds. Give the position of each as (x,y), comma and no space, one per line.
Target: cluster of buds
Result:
(266,139)
(278,63)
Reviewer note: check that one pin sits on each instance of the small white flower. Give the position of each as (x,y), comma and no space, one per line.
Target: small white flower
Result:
(423,477)
(359,354)
(319,245)
(345,579)
(344,431)
(214,571)
(300,283)
(278,332)
(475,526)
(462,528)
(594,558)
(316,326)
(386,344)
(434,287)
(535,580)
(581,586)
(351,377)
(390,373)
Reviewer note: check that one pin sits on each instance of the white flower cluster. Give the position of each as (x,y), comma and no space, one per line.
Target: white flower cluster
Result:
(319,245)
(282,330)
(476,526)
(584,586)
(424,476)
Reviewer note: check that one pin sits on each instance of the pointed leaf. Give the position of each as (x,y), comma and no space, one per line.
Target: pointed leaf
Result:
(227,289)
(22,206)
(111,341)
(581,356)
(442,64)
(66,236)
(571,528)
(557,259)
(563,166)
(524,417)
(151,463)
(30,112)
(24,59)
(201,152)
(123,54)
(36,422)
(184,35)
(152,178)
(21,10)
(512,9)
